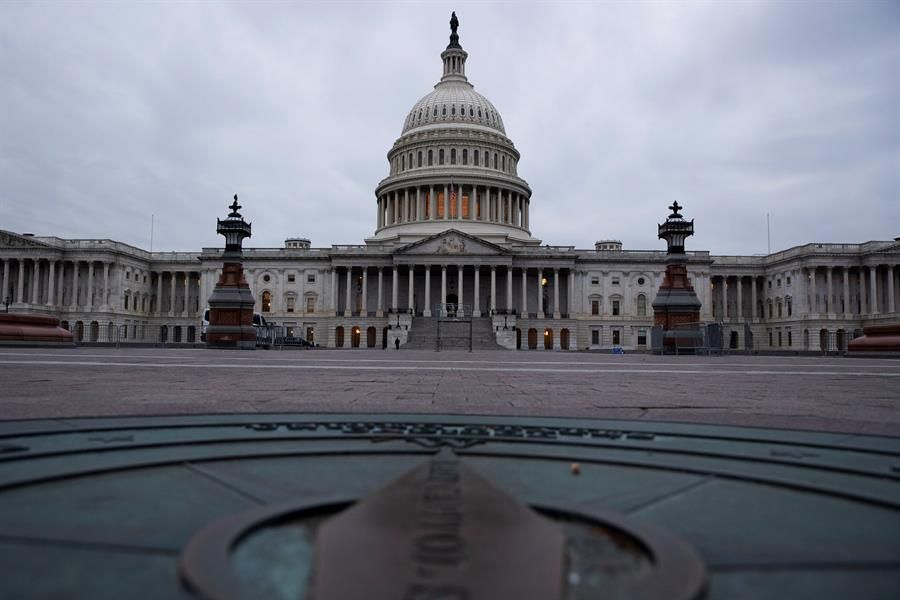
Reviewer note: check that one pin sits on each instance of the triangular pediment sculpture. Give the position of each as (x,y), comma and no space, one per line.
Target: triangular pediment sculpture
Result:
(454,243)
(9,239)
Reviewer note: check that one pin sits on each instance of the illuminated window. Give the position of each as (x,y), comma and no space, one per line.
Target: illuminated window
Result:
(267,302)
(289,301)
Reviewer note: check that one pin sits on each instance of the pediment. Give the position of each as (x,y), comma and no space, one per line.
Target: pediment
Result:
(452,243)
(9,239)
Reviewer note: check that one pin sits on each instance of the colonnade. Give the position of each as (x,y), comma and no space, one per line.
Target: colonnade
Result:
(453,202)
(89,285)
(838,291)
(487,289)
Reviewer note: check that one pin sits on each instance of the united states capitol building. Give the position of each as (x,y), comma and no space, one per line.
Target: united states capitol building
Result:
(453,238)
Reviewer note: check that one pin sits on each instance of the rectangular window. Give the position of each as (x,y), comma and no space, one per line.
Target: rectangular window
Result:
(615,308)
(595,337)
(789,309)
(770,337)
(617,337)
(453,156)
(595,307)
(311,304)
(290,303)
(595,280)
(615,281)
(778,282)
(789,283)
(642,337)
(310,278)
(291,278)
(779,337)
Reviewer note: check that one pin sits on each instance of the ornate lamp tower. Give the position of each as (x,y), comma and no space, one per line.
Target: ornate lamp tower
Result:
(231,304)
(675,302)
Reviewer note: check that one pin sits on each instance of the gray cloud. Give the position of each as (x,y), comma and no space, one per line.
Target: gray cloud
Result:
(113,112)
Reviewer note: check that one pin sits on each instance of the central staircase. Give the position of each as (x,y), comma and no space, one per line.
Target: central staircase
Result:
(454,334)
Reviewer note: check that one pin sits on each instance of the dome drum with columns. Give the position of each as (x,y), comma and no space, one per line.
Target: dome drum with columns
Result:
(453,167)
(453,235)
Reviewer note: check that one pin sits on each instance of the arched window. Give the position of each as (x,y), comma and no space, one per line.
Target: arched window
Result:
(430,158)
(420,114)
(410,163)
(403,162)
(641,305)
(471,112)
(435,111)
(475,158)
(441,156)
(496,162)
(479,112)
(465,156)
(267,301)
(453,110)
(503,162)
(420,159)
(444,111)
(453,156)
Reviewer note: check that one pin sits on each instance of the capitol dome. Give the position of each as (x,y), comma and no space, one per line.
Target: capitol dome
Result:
(453,167)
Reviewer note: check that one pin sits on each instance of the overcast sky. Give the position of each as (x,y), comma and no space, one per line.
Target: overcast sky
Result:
(113,112)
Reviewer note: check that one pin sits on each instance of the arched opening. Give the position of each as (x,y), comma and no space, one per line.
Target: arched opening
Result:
(452,301)
(564,339)
(95,331)
(110,332)
(371,334)
(548,339)
(518,339)
(840,340)
(191,334)
(532,339)
(641,305)
(79,331)
(823,339)
(806,339)
(384,337)
(64,325)
(733,340)
(354,337)
(339,337)
(177,331)
(164,334)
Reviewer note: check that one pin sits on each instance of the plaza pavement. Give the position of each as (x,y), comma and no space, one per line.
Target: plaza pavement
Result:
(817,393)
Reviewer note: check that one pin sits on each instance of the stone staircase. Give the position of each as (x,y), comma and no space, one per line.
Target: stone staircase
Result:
(454,334)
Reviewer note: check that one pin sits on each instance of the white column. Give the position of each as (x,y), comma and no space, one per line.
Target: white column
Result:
(493,289)
(873,290)
(443,298)
(509,299)
(813,292)
(51,284)
(173,281)
(74,285)
(187,288)
(379,310)
(891,307)
(365,292)
(411,291)
(753,311)
(20,284)
(427,311)
(540,295)
(159,278)
(348,307)
(829,303)
(333,299)
(432,201)
(35,280)
(846,291)
(570,300)
(459,279)
(740,298)
(394,290)
(105,302)
(476,304)
(556,313)
(474,207)
(446,214)
(419,211)
(524,312)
